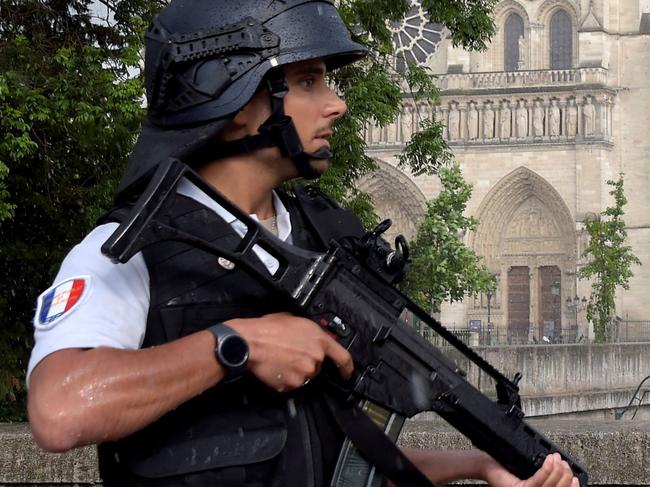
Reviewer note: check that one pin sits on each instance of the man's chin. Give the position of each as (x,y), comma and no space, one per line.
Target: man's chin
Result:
(319,166)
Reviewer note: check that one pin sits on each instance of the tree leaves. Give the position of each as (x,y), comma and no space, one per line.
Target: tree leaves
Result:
(442,267)
(68,116)
(70,109)
(609,261)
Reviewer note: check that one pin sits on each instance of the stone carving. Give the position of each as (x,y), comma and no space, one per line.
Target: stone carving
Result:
(504,120)
(554,119)
(375,134)
(472,121)
(440,115)
(391,132)
(522,120)
(531,222)
(571,118)
(589,118)
(488,121)
(407,123)
(397,197)
(521,64)
(538,119)
(454,122)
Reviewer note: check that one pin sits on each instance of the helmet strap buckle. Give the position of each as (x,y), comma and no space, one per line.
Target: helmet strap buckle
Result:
(284,134)
(277,85)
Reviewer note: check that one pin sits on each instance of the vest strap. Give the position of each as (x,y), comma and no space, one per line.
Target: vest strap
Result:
(374,445)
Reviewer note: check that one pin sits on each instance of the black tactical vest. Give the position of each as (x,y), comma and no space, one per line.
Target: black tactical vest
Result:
(242,433)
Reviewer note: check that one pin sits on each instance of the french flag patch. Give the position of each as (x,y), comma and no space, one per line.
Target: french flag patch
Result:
(60,300)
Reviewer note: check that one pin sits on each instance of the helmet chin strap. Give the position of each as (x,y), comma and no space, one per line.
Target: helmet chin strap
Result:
(277,131)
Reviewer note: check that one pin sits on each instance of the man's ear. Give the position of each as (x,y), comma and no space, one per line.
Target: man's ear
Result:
(249,118)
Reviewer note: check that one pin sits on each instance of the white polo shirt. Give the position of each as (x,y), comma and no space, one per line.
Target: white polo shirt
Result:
(97,303)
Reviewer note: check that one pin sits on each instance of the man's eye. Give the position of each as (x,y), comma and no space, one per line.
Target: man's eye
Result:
(308,82)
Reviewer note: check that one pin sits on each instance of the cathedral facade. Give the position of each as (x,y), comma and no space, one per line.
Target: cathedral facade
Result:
(557,105)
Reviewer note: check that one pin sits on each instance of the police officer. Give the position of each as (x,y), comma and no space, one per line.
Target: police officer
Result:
(180,366)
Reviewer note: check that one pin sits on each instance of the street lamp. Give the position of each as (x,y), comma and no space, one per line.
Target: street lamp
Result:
(576,305)
(489,295)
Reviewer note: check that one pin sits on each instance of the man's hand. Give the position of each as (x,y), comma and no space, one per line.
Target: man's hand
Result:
(554,473)
(443,467)
(287,351)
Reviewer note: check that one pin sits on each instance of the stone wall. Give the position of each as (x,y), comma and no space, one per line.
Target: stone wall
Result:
(612,453)
(559,379)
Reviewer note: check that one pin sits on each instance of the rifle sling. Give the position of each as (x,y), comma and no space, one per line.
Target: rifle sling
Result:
(374,445)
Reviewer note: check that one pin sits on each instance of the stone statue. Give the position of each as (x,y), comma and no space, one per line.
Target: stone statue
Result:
(488,121)
(522,52)
(571,118)
(472,121)
(589,117)
(391,132)
(454,122)
(504,120)
(538,119)
(440,115)
(554,119)
(522,120)
(407,123)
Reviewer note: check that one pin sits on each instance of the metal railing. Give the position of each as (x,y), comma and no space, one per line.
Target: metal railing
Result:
(627,331)
(621,331)
(638,397)
(487,337)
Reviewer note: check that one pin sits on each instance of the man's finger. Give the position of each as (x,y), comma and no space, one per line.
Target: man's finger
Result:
(543,473)
(560,476)
(341,357)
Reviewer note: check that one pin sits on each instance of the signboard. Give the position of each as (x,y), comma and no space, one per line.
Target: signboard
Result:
(475,325)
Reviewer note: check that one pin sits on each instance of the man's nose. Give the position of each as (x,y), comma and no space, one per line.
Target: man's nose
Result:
(335,107)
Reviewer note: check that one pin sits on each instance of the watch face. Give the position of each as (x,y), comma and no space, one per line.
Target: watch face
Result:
(233,350)
(415,39)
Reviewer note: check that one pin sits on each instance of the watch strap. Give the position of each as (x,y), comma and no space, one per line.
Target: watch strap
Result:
(222,334)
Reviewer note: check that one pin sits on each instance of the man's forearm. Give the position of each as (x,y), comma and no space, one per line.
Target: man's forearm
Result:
(442,467)
(79,397)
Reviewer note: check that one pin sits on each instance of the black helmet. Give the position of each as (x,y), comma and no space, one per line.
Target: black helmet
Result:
(204,61)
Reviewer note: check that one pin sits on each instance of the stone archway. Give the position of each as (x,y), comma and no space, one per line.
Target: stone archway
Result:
(395,196)
(528,239)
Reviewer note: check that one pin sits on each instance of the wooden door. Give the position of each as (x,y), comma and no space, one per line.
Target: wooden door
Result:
(550,305)
(518,304)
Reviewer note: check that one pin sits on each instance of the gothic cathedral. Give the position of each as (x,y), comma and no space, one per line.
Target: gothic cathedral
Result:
(557,105)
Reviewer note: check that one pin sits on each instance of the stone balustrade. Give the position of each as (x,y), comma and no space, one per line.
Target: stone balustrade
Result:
(524,79)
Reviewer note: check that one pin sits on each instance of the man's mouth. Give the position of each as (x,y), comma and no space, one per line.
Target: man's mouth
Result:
(324,137)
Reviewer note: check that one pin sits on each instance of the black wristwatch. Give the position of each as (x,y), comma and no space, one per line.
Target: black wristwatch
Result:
(231,351)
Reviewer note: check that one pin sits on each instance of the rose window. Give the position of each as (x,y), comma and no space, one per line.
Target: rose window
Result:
(415,38)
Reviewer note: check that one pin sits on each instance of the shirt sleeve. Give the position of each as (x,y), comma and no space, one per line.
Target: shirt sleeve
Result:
(93,302)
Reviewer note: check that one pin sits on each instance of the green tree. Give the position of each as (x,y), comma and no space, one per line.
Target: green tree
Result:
(68,115)
(373,91)
(609,262)
(443,268)
(70,109)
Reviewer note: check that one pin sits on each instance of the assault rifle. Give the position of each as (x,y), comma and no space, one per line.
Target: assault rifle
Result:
(347,290)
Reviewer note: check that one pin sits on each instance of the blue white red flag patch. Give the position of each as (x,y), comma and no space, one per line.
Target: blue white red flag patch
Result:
(60,300)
